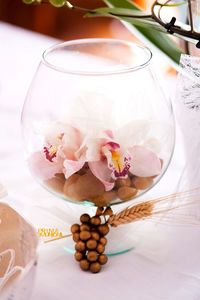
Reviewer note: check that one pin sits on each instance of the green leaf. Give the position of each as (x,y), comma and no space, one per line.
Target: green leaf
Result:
(28,1)
(148,23)
(157,39)
(120,11)
(173,5)
(57,3)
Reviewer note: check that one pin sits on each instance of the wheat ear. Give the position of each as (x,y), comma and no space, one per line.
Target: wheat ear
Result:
(132,214)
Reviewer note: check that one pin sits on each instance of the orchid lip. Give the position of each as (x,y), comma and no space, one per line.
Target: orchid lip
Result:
(113,145)
(50,155)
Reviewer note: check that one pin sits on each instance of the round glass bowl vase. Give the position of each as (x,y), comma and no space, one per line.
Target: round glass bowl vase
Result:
(97,126)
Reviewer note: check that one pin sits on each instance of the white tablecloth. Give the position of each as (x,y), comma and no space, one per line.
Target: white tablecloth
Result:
(129,276)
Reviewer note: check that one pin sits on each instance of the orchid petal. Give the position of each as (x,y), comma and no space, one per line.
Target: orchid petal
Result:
(145,163)
(109,134)
(43,168)
(72,166)
(101,171)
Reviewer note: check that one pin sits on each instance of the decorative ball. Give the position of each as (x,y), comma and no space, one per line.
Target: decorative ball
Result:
(76,237)
(85,235)
(85,218)
(103,229)
(75,228)
(95,221)
(100,248)
(84,264)
(92,256)
(80,246)
(95,267)
(78,255)
(99,211)
(95,235)
(91,244)
(108,212)
(85,227)
(103,240)
(103,259)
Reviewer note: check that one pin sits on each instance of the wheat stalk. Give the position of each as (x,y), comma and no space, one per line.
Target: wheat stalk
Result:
(155,207)
(132,214)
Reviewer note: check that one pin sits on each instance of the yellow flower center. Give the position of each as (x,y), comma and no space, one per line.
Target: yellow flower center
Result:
(116,160)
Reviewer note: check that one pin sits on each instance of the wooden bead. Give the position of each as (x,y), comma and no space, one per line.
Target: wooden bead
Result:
(108,212)
(95,221)
(103,241)
(85,218)
(95,235)
(85,235)
(78,255)
(75,228)
(76,237)
(95,267)
(85,227)
(92,256)
(84,264)
(99,211)
(100,248)
(103,259)
(103,229)
(91,244)
(80,246)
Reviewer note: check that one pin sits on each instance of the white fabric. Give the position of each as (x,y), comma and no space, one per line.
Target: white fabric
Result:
(140,275)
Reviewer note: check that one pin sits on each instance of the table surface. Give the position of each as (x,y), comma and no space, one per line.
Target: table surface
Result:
(169,270)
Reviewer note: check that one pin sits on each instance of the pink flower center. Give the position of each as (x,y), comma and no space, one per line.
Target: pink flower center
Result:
(120,165)
(50,152)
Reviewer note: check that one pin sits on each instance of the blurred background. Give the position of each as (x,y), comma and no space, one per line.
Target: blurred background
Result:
(63,23)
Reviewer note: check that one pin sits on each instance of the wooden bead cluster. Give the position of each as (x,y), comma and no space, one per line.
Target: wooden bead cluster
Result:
(90,241)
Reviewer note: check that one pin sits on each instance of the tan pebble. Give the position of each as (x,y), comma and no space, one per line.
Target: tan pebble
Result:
(126,193)
(85,235)
(80,246)
(103,240)
(69,188)
(76,237)
(95,221)
(104,199)
(122,182)
(100,248)
(91,244)
(95,267)
(142,183)
(103,229)
(84,264)
(95,235)
(103,259)
(84,227)
(72,193)
(75,228)
(88,186)
(109,196)
(83,170)
(85,218)
(61,176)
(55,184)
(78,255)
(92,256)
(71,180)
